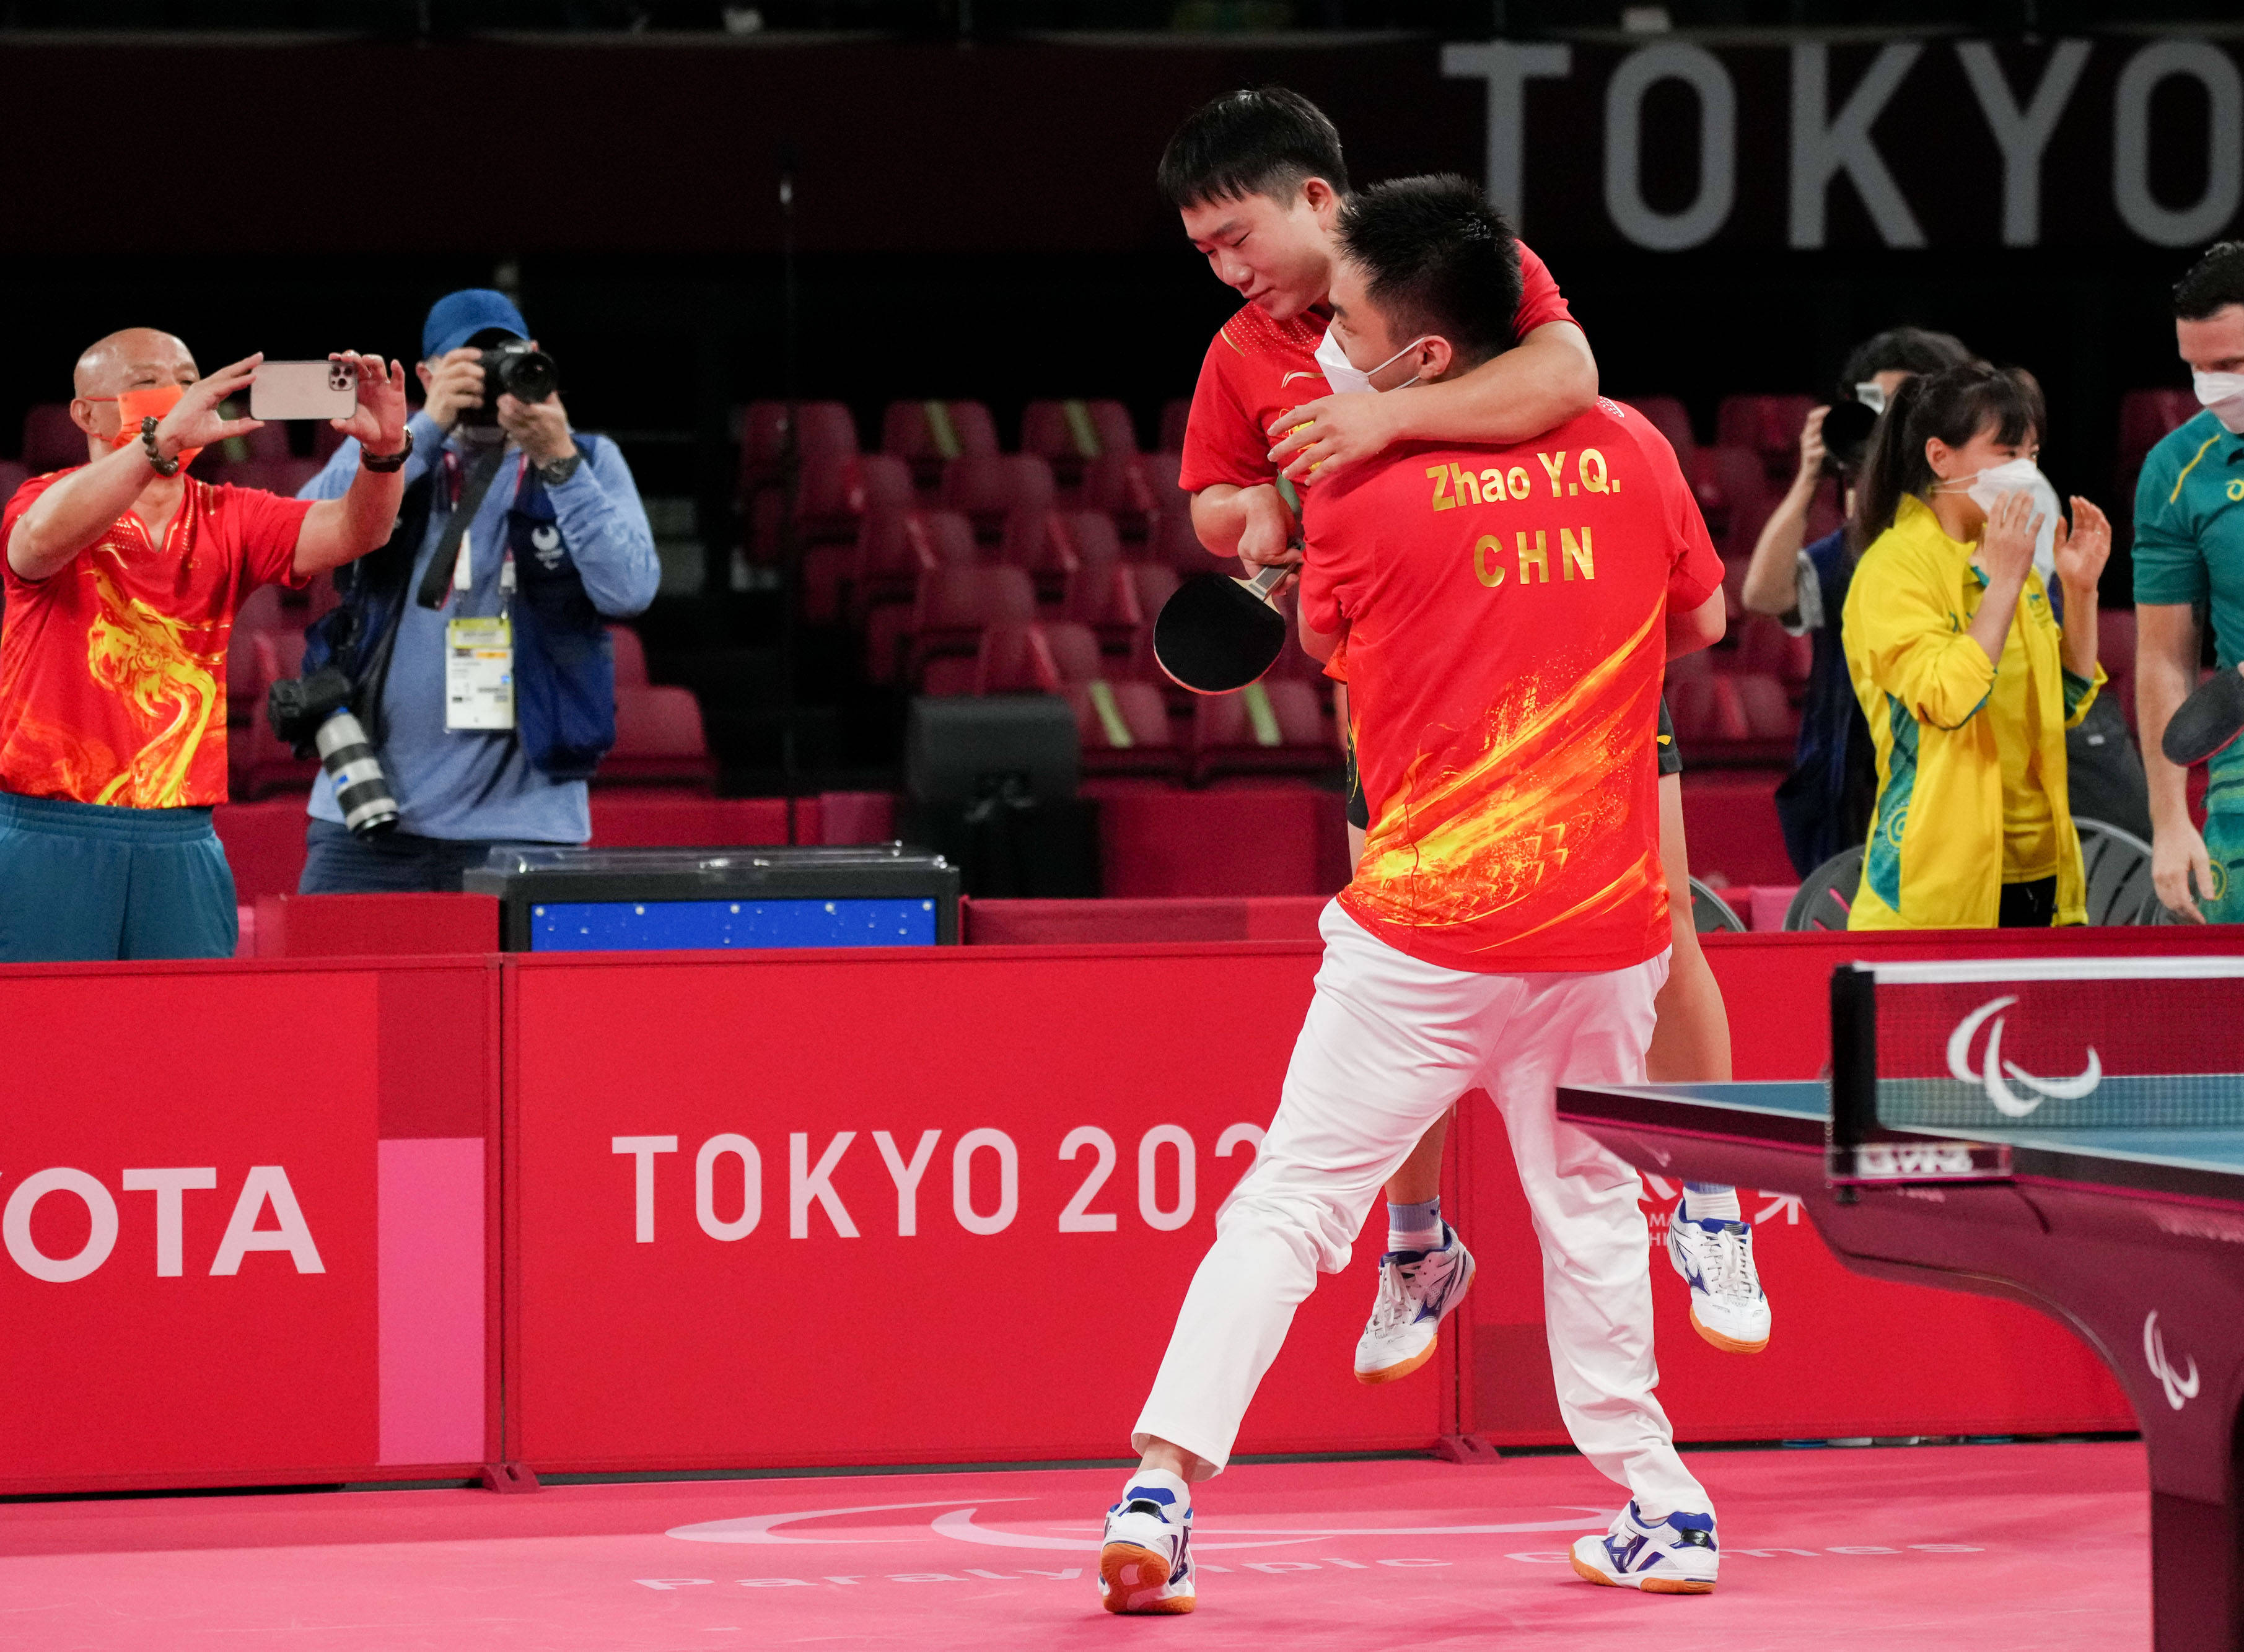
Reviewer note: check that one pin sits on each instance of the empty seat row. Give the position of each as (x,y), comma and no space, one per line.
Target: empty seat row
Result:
(1128,725)
(659,738)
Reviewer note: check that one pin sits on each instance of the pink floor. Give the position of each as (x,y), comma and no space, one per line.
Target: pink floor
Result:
(2025,1547)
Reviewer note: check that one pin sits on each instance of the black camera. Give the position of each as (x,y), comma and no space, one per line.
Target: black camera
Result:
(313,714)
(515,368)
(1847,429)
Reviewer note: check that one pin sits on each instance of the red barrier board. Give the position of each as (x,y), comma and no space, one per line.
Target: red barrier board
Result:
(905,1206)
(216,1271)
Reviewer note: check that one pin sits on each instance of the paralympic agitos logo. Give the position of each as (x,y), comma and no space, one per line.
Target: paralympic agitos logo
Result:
(1992,1069)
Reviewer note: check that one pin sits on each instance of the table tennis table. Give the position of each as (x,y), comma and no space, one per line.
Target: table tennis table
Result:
(2114,1201)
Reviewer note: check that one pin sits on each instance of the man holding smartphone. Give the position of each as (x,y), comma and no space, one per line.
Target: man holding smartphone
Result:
(518,538)
(123,577)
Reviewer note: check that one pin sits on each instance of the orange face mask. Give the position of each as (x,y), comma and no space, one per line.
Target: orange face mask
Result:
(154,402)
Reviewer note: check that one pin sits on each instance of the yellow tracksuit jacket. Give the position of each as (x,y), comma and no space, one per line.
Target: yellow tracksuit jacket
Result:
(1935,857)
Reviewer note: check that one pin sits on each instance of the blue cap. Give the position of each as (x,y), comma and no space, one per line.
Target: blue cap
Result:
(457,317)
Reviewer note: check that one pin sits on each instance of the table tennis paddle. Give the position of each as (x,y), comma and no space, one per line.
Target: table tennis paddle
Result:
(1216,633)
(2205,723)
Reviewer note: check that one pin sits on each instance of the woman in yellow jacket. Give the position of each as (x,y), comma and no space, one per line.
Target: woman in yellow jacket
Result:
(1965,676)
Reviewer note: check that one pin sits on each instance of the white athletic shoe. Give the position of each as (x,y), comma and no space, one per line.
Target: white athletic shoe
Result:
(1715,1258)
(1145,1564)
(1673,1556)
(1417,1288)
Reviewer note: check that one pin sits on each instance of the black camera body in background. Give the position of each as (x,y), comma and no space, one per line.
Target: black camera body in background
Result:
(517,368)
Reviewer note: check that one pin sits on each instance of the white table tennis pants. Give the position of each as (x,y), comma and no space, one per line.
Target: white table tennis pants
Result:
(1390,1041)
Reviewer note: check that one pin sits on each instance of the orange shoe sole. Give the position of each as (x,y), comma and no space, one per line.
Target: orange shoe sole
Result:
(1134,1579)
(1396,1374)
(1650,1586)
(1728,1344)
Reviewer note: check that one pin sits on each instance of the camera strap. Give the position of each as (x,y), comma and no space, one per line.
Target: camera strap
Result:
(436,582)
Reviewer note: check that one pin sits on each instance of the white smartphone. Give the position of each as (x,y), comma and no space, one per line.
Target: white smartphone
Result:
(303,390)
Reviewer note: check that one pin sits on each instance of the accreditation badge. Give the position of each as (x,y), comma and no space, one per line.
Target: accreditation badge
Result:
(479,674)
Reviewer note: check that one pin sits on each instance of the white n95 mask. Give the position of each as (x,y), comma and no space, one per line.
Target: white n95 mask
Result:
(2223,395)
(1345,377)
(2022,476)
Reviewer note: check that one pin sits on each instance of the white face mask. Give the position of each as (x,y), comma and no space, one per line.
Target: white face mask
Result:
(1345,377)
(2222,395)
(2017,476)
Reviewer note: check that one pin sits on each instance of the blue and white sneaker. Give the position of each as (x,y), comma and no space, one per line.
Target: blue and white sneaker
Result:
(1716,1260)
(1672,1556)
(1417,1288)
(1145,1564)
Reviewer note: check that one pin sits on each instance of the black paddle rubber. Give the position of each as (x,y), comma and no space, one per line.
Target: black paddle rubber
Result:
(1214,635)
(2206,722)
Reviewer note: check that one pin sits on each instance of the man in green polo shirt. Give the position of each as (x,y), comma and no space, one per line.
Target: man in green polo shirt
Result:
(2189,559)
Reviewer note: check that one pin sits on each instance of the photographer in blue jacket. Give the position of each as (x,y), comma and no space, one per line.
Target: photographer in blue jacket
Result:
(472,649)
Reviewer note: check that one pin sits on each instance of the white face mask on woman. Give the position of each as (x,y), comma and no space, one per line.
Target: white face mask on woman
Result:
(2223,395)
(2017,475)
(1345,377)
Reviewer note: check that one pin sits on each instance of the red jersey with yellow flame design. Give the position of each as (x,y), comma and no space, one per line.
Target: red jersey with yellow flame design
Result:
(112,669)
(1504,611)
(1256,368)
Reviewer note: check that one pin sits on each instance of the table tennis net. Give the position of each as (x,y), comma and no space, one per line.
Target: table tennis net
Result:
(2086,1043)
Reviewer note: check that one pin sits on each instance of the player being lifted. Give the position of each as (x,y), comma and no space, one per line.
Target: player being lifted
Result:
(1259,181)
(1507,927)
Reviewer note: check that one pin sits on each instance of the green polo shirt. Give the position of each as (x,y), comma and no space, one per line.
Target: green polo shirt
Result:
(2189,548)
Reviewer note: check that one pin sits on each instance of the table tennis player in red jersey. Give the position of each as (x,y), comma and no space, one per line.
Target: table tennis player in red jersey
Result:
(1259,178)
(1508,610)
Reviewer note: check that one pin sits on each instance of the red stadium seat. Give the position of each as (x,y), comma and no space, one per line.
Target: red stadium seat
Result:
(1074,652)
(1119,484)
(1176,413)
(824,428)
(659,739)
(1152,584)
(1731,717)
(1768,425)
(834,492)
(989,487)
(1069,435)
(1088,538)
(2145,417)
(1284,732)
(928,435)
(1766,648)
(1125,729)
(1735,495)
(1769,715)
(1706,711)
(51,440)
(956,605)
(1106,599)
(2115,651)
(1669,417)
(631,657)
(1014,658)
(260,764)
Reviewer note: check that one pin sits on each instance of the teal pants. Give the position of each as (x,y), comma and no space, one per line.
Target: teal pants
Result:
(83,882)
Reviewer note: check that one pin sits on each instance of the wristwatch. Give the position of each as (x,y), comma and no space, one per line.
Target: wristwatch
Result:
(385,462)
(561,470)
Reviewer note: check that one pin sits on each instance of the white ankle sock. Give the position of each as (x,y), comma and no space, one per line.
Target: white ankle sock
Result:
(1160,1479)
(1414,1227)
(1704,1202)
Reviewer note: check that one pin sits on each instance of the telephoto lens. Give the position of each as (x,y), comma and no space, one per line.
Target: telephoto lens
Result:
(361,790)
